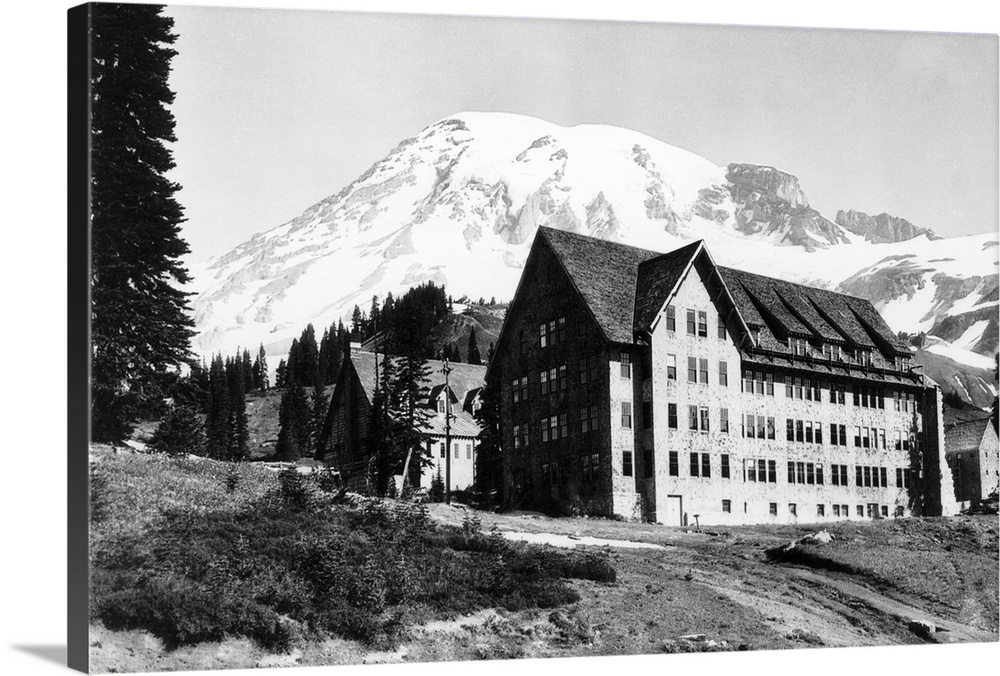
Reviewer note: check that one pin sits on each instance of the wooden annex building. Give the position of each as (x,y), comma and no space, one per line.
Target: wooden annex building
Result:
(345,432)
(664,387)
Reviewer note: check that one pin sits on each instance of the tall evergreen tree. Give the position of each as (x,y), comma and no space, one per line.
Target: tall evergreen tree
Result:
(260,375)
(247,368)
(473,356)
(320,406)
(323,359)
(141,326)
(218,422)
(489,458)
(238,423)
(281,374)
(293,423)
(309,357)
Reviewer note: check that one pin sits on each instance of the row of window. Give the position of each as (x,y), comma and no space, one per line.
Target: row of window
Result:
(811,389)
(697,323)
(760,470)
(872,510)
(456,449)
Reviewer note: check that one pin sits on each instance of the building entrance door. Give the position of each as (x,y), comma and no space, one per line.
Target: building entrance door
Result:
(675,513)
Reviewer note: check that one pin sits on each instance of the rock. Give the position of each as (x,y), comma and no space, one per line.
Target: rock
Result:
(922,628)
(821,537)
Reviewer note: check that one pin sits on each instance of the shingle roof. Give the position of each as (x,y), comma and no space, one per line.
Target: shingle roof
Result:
(656,279)
(462,379)
(625,287)
(966,436)
(605,274)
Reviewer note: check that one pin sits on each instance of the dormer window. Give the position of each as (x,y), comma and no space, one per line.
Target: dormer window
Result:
(798,346)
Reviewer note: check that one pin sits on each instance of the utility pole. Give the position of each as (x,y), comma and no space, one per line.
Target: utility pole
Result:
(446,369)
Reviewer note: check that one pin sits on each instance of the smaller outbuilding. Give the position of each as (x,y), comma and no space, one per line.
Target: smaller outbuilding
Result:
(345,434)
(973,454)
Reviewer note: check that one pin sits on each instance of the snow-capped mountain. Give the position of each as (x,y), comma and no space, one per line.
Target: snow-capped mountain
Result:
(459,204)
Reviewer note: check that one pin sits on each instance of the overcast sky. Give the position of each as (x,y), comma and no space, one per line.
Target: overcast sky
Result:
(277,109)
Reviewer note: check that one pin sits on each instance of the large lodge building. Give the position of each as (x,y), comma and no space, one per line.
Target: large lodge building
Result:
(667,388)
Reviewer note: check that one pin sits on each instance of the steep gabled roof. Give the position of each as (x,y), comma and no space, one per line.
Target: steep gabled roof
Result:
(462,379)
(966,436)
(656,280)
(605,275)
(465,380)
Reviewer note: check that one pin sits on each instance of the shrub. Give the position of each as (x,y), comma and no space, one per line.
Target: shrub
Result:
(274,563)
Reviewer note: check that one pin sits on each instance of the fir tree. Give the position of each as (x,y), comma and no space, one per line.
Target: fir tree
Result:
(180,432)
(260,376)
(218,421)
(320,407)
(247,368)
(472,356)
(323,360)
(308,357)
(293,423)
(374,317)
(238,424)
(281,374)
(357,325)
(141,326)
(489,457)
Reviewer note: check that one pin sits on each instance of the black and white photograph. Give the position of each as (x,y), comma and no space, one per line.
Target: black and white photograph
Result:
(409,338)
